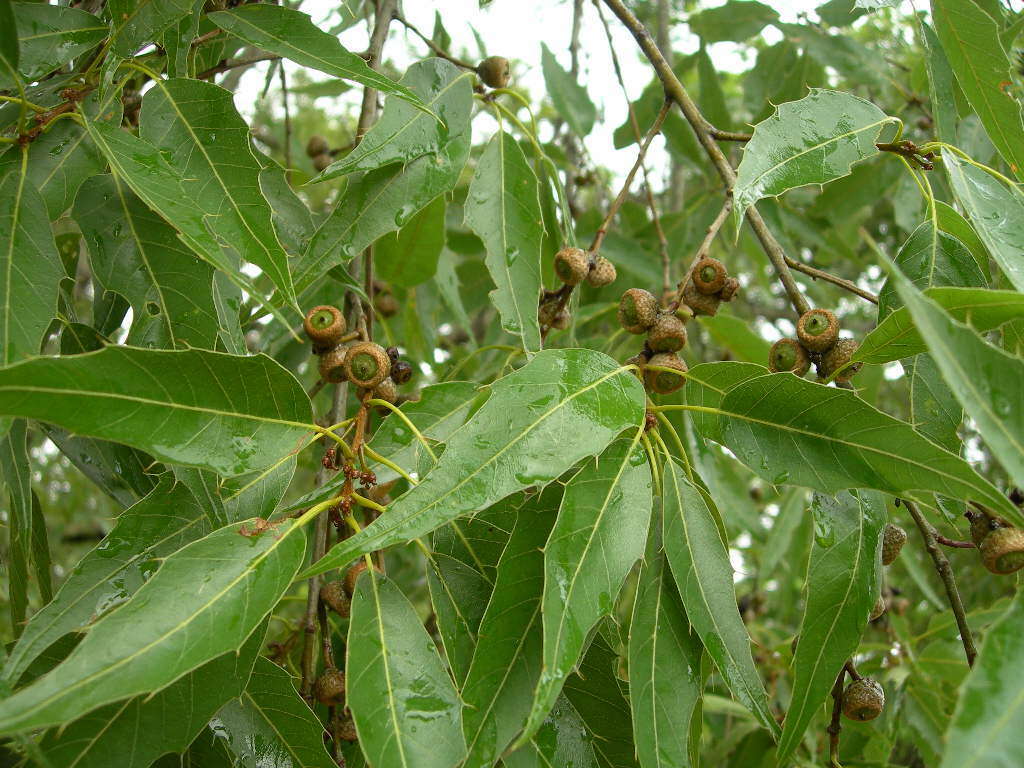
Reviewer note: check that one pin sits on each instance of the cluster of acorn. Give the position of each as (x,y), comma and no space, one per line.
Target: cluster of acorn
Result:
(319,151)
(817,342)
(1000,544)
(573,266)
(708,286)
(364,363)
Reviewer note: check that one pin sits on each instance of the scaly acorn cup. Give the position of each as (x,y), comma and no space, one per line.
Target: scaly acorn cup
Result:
(878,609)
(668,334)
(709,276)
(788,355)
(863,700)
(334,597)
(700,303)
(602,272)
(321,161)
(982,524)
(352,575)
(837,357)
(638,309)
(367,364)
(547,312)
(401,371)
(317,145)
(893,539)
(332,365)
(324,325)
(572,265)
(494,71)
(386,391)
(1002,551)
(817,330)
(730,289)
(330,688)
(347,729)
(665,382)
(386,304)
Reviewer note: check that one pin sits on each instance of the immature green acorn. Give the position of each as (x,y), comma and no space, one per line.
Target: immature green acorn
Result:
(709,276)
(638,309)
(602,272)
(332,365)
(837,357)
(817,330)
(668,334)
(893,539)
(324,325)
(1002,550)
(788,355)
(367,364)
(665,382)
(863,700)
(334,597)
(386,391)
(330,688)
(494,71)
(572,265)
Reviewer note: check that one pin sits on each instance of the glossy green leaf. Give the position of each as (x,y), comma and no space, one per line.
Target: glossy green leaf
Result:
(563,740)
(970,39)
(735,20)
(409,257)
(789,430)
(31,267)
(224,413)
(257,494)
(204,601)
(700,563)
(569,97)
(9,48)
(503,209)
(406,710)
(843,582)
(16,471)
(707,383)
(736,335)
(953,223)
(292,34)
(513,442)
(135,22)
(599,535)
(203,137)
(811,141)
(270,725)
(49,37)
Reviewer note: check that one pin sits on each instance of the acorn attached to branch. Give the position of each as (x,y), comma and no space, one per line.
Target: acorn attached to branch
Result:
(322,161)
(638,309)
(386,391)
(893,539)
(837,357)
(863,700)
(730,289)
(665,382)
(401,371)
(878,609)
(700,303)
(334,596)
(317,145)
(1002,550)
(602,272)
(817,330)
(324,325)
(330,688)
(788,355)
(709,276)
(367,364)
(332,365)
(572,265)
(668,334)
(494,71)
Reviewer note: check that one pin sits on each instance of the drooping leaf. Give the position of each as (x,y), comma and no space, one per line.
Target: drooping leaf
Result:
(569,97)
(503,208)
(736,20)
(48,37)
(134,22)
(17,477)
(700,565)
(406,710)
(205,600)
(409,257)
(599,535)
(811,141)
(843,582)
(513,441)
(225,413)
(269,723)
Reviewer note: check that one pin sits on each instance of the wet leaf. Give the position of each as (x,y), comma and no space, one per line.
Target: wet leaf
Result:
(562,740)
(135,22)
(48,37)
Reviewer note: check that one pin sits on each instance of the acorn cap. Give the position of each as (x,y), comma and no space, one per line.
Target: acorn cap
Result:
(709,275)
(668,334)
(386,304)
(321,161)
(788,355)
(730,289)
(347,729)
(700,303)
(332,365)
(324,325)
(665,382)
(638,309)
(878,609)
(602,272)
(572,265)
(494,71)
(863,700)
(334,596)
(893,539)
(330,688)
(352,575)
(401,372)
(386,391)
(837,357)
(1002,551)
(317,145)
(561,320)
(367,364)
(817,330)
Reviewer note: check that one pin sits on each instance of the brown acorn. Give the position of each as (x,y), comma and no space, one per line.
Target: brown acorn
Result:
(602,272)
(332,365)
(561,320)
(347,729)
(700,303)
(386,391)
(817,330)
(367,364)
(836,358)
(547,311)
(494,71)
(638,309)
(982,524)
(317,145)
(352,575)
(386,304)
(730,289)
(863,700)
(878,609)
(320,162)
(664,382)
(788,355)
(324,325)
(1002,551)
(572,265)
(334,596)
(893,539)
(709,276)
(330,688)
(668,334)
(401,372)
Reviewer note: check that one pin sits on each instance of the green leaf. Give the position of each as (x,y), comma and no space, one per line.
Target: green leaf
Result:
(293,34)
(269,724)
(407,711)
(514,441)
(599,535)
(985,730)
(736,335)
(220,412)
(952,223)
(793,431)
(563,740)
(843,582)
(160,524)
(811,141)
(156,724)
(410,257)
(16,471)
(970,38)
(134,22)
(569,97)
(736,20)
(202,136)
(700,563)
(48,37)
(503,209)
(31,267)
(9,48)
(707,383)
(204,601)
(996,211)
(988,382)
(257,494)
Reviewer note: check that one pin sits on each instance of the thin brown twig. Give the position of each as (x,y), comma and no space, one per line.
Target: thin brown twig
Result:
(438,50)
(227,64)
(954,543)
(835,727)
(828,277)
(287,125)
(721,135)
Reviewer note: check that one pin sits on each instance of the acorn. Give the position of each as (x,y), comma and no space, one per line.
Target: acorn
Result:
(547,311)
(878,609)
(494,71)
(332,365)
(863,700)
(837,357)
(320,162)
(664,382)
(367,364)
(788,355)
(982,524)
(817,330)
(386,391)
(401,372)
(317,145)
(324,325)
(730,289)
(572,265)
(602,272)
(386,304)
(668,334)
(347,729)
(893,539)
(561,320)
(638,309)
(700,303)
(709,276)
(352,575)
(330,688)
(1002,551)
(334,597)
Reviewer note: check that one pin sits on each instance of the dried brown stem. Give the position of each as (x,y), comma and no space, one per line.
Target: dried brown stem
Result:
(828,277)
(226,64)
(721,135)
(287,125)
(953,543)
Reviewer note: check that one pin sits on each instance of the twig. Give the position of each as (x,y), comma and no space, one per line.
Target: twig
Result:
(910,152)
(721,135)
(385,13)
(828,277)
(225,64)
(287,125)
(945,571)
(954,543)
(432,45)
(835,727)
